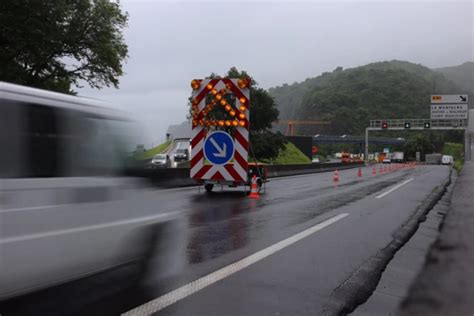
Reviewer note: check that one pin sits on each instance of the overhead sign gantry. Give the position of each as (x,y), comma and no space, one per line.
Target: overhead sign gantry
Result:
(448,112)
(452,106)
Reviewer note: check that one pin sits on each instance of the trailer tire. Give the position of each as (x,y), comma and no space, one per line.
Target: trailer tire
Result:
(209,187)
(259,185)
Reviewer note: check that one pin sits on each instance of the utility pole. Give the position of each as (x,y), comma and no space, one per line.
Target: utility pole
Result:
(366,154)
(467,145)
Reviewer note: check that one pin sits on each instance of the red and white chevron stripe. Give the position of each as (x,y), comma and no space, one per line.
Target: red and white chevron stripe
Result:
(236,170)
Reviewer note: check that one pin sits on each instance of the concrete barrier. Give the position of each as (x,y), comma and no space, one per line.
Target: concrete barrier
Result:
(179,177)
(292,170)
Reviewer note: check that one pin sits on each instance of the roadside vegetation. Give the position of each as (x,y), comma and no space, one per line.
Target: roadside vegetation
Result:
(148,154)
(289,155)
(457,151)
(349,98)
(58,45)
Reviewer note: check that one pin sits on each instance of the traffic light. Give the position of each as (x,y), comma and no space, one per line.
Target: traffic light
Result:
(384,125)
(407,125)
(427,124)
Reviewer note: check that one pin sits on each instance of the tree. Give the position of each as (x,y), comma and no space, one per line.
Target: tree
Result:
(57,44)
(263,112)
(420,142)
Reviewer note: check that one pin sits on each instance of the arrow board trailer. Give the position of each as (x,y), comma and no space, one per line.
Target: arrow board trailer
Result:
(220,111)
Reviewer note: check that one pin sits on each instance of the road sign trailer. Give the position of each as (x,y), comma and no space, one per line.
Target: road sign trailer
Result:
(219,147)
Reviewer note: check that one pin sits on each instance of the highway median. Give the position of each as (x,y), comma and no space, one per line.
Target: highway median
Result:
(179,177)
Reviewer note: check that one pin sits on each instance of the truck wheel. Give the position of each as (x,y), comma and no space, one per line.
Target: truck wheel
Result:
(209,187)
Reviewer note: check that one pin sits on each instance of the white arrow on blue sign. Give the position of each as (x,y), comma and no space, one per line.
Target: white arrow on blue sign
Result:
(219,148)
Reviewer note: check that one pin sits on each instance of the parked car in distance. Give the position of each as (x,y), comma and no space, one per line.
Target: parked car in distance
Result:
(315,160)
(160,161)
(181,155)
(387,160)
(447,160)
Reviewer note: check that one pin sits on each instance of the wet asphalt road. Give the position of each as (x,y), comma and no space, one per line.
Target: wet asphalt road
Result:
(215,230)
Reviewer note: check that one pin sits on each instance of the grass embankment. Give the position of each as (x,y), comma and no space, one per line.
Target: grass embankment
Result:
(153,151)
(457,151)
(289,155)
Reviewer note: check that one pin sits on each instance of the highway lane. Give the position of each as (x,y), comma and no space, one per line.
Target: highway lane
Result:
(221,228)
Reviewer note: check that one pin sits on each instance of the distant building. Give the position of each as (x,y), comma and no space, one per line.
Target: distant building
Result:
(179,131)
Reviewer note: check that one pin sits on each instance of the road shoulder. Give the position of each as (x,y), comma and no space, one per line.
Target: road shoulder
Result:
(407,263)
(446,284)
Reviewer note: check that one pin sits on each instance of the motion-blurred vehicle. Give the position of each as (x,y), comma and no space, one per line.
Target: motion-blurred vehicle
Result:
(181,154)
(387,160)
(65,210)
(257,169)
(160,161)
(447,160)
(350,158)
(433,159)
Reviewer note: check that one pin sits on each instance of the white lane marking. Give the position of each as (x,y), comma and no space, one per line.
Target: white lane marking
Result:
(394,188)
(172,297)
(33,208)
(178,189)
(139,220)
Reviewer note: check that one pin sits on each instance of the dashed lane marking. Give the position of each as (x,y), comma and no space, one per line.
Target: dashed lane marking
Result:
(394,188)
(172,297)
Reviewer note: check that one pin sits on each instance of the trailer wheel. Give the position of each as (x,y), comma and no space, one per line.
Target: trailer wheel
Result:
(259,185)
(209,187)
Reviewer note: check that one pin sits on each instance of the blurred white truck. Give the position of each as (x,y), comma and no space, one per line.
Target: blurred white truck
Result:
(398,156)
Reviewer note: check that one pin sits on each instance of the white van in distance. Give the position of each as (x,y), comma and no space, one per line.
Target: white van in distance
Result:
(447,160)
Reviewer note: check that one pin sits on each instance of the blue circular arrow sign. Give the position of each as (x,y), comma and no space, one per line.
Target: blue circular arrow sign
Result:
(219,148)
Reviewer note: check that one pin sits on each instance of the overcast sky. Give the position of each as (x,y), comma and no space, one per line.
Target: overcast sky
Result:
(277,42)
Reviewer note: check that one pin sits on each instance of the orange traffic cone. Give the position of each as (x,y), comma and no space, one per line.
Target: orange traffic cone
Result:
(359,173)
(385,169)
(374,171)
(254,189)
(381,169)
(336,176)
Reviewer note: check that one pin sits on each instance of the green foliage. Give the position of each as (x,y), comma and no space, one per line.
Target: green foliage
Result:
(457,151)
(418,142)
(263,113)
(350,98)
(153,151)
(56,44)
(266,145)
(290,155)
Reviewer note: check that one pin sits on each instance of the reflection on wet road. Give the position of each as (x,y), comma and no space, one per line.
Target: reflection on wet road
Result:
(217,229)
